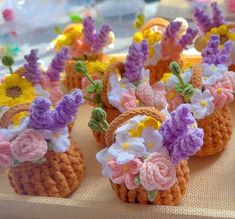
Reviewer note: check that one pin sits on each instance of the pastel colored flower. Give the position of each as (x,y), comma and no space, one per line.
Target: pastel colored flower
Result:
(174,99)
(157,172)
(202,104)
(103,158)
(125,173)
(160,101)
(222,92)
(145,94)
(145,75)
(231,77)
(29,146)
(6,158)
(80,48)
(128,101)
(59,140)
(154,54)
(126,149)
(171,49)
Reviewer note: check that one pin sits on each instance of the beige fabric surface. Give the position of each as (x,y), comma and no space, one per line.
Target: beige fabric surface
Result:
(211,189)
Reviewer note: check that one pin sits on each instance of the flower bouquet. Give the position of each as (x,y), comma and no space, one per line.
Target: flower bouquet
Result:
(146,157)
(215,24)
(165,45)
(40,157)
(208,89)
(85,44)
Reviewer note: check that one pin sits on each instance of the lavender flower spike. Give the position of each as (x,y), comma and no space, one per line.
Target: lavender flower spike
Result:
(224,53)
(66,109)
(89,31)
(33,72)
(135,61)
(203,21)
(172,29)
(187,38)
(217,15)
(40,114)
(102,38)
(58,64)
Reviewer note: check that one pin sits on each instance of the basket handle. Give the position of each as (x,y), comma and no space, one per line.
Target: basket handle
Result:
(7,116)
(148,111)
(114,67)
(160,22)
(197,76)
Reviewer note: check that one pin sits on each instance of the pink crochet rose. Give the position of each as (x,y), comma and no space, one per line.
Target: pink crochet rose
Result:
(157,172)
(174,100)
(129,100)
(222,92)
(6,158)
(125,173)
(29,146)
(171,49)
(145,94)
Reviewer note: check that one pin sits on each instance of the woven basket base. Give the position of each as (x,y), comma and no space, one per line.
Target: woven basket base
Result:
(217,131)
(173,196)
(232,67)
(58,176)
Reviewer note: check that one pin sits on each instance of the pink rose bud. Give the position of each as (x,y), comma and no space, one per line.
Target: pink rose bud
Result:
(8,15)
(29,146)
(6,158)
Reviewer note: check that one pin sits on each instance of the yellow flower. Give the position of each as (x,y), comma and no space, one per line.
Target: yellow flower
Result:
(166,77)
(15,90)
(138,37)
(17,118)
(187,66)
(96,67)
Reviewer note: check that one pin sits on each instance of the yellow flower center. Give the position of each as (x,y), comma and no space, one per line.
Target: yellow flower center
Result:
(203,103)
(205,78)
(125,146)
(150,145)
(13,92)
(171,95)
(220,90)
(56,135)
(125,167)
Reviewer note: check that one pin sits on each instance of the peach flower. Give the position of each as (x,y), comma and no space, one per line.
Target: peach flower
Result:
(157,172)
(129,101)
(6,158)
(29,146)
(79,48)
(160,100)
(222,92)
(230,75)
(171,49)
(174,99)
(145,94)
(125,173)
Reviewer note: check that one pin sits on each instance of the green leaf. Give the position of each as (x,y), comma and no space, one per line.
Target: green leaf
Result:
(41,160)
(179,88)
(137,180)
(75,18)
(57,30)
(99,87)
(152,195)
(91,89)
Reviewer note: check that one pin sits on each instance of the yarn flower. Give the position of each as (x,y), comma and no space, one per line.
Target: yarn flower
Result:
(145,94)
(6,158)
(217,15)
(126,149)
(174,99)
(33,72)
(231,77)
(222,92)
(157,172)
(125,173)
(128,101)
(89,31)
(171,49)
(187,38)
(29,146)
(202,104)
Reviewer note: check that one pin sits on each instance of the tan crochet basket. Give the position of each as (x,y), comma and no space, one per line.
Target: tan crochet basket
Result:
(58,176)
(172,196)
(217,127)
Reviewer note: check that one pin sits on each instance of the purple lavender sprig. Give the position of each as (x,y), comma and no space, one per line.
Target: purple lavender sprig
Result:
(217,15)
(187,38)
(203,21)
(172,29)
(33,72)
(101,38)
(66,109)
(180,138)
(224,53)
(40,114)
(136,58)
(89,31)
(58,64)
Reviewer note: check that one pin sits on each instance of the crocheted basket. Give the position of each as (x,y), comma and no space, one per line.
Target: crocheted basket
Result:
(72,78)
(172,196)
(58,176)
(217,127)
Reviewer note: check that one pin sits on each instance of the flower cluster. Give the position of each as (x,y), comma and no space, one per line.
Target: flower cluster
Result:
(43,130)
(146,151)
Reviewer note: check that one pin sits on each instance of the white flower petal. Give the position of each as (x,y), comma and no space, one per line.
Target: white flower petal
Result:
(124,157)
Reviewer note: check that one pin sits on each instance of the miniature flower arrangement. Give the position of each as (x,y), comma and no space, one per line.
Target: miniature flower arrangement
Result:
(208,89)
(30,81)
(165,44)
(85,44)
(215,24)
(146,157)
(39,155)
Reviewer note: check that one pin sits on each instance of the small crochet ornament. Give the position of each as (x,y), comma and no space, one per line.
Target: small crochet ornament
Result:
(39,155)
(146,157)
(85,44)
(207,89)
(166,42)
(214,25)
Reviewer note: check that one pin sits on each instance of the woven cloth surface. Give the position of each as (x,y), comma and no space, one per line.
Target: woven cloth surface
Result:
(210,191)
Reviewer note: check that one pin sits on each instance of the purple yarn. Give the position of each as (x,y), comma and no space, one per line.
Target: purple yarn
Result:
(135,61)
(217,15)
(172,29)
(224,53)
(58,64)
(145,49)
(89,31)
(203,21)
(102,38)
(40,114)
(187,38)
(179,138)
(66,109)
(33,72)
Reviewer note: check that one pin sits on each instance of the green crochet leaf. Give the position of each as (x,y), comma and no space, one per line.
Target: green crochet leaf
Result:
(152,195)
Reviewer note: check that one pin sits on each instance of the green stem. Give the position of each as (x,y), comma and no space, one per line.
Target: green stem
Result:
(10,68)
(87,98)
(181,80)
(106,123)
(102,128)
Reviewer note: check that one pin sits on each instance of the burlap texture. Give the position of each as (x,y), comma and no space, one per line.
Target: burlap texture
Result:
(210,191)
